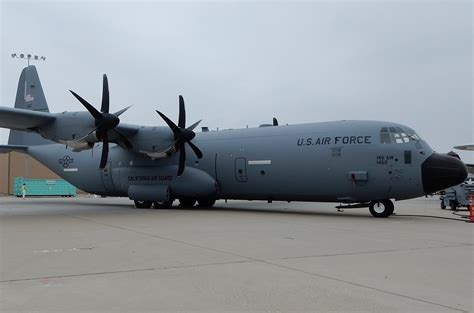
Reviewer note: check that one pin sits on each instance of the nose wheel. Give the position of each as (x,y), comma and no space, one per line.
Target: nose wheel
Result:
(381,208)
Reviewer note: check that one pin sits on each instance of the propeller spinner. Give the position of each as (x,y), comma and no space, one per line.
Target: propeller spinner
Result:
(104,121)
(182,135)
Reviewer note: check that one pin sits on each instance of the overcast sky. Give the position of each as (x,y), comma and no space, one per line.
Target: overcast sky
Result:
(241,63)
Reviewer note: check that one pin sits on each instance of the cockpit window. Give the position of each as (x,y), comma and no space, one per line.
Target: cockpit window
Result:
(397,135)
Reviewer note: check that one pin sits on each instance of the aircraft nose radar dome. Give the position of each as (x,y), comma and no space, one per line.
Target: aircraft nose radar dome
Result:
(441,171)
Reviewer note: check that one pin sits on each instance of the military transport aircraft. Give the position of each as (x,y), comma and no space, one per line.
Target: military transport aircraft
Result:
(355,163)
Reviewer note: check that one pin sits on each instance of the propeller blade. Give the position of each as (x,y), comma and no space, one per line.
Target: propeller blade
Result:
(182,113)
(194,125)
(118,113)
(87,105)
(105,151)
(105,95)
(195,149)
(182,135)
(182,159)
(172,125)
(124,139)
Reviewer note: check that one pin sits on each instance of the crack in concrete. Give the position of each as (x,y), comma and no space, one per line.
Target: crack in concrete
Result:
(123,271)
(369,252)
(365,286)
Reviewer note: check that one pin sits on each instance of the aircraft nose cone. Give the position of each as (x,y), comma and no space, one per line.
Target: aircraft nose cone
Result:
(441,171)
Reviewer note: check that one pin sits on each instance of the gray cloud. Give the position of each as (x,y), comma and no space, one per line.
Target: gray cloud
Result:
(241,63)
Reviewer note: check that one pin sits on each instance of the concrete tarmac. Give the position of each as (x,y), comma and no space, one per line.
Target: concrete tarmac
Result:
(102,255)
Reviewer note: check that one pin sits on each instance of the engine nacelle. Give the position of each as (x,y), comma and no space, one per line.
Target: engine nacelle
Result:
(78,146)
(84,143)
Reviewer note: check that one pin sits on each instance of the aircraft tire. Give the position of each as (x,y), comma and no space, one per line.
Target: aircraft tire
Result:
(187,202)
(443,206)
(143,204)
(206,203)
(382,208)
(163,205)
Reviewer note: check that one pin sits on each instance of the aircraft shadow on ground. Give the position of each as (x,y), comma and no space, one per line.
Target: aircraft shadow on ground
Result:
(289,211)
(87,207)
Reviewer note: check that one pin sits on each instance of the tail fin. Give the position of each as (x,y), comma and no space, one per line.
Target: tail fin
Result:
(29,96)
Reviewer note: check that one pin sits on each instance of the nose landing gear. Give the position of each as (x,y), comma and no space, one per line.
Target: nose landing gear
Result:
(381,208)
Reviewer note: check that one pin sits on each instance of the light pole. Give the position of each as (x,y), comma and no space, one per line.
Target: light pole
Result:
(28,57)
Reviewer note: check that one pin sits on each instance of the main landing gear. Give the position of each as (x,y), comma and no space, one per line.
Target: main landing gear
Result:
(155,204)
(202,203)
(143,204)
(163,204)
(206,203)
(183,202)
(187,203)
(381,208)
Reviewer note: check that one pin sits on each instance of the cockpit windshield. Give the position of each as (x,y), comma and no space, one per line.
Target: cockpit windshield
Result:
(397,135)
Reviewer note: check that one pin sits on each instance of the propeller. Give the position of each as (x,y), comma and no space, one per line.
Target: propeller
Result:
(104,121)
(182,135)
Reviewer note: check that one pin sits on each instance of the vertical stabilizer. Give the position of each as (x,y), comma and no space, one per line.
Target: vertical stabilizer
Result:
(29,96)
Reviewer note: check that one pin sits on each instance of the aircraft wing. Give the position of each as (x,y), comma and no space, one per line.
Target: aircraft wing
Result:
(10,148)
(21,119)
(469,147)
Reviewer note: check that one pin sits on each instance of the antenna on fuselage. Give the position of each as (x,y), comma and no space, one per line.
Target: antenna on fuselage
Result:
(28,57)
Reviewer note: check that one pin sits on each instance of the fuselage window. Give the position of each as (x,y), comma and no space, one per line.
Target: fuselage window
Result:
(384,137)
(397,135)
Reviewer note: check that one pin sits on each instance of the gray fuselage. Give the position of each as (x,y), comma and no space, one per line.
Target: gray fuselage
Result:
(342,161)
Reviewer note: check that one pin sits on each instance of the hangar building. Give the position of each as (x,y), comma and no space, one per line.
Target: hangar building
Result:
(16,164)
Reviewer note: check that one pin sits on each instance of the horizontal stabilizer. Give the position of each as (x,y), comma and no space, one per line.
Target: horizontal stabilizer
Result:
(10,148)
(21,119)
